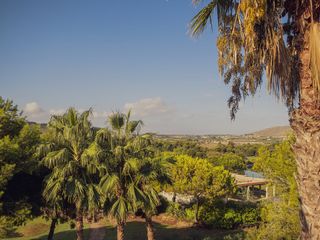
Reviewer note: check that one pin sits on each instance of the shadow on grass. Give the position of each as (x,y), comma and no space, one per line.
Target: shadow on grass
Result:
(63,235)
(137,231)
(14,234)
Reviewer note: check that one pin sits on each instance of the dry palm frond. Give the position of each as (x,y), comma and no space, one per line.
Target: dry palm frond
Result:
(277,68)
(314,48)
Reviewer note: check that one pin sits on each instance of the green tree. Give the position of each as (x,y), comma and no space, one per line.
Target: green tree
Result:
(200,179)
(280,218)
(282,39)
(18,141)
(11,119)
(118,151)
(69,153)
(230,161)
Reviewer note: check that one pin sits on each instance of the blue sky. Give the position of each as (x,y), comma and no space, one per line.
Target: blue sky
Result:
(116,55)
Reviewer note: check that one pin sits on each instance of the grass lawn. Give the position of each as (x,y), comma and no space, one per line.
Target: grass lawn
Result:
(136,230)
(38,228)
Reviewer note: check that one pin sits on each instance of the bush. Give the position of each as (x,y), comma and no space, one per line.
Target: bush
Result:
(229,215)
(6,226)
(181,212)
(175,209)
(190,213)
(218,214)
(230,219)
(250,216)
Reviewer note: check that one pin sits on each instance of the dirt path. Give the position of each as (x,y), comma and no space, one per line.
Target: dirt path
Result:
(97,230)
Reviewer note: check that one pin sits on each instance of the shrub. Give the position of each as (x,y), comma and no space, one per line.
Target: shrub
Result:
(176,210)
(250,216)
(190,213)
(229,215)
(6,226)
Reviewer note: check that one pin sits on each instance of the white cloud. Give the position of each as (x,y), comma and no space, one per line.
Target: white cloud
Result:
(33,109)
(148,107)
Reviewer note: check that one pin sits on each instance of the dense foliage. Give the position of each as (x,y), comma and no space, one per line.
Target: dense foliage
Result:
(230,215)
(200,179)
(188,147)
(281,217)
(70,171)
(18,141)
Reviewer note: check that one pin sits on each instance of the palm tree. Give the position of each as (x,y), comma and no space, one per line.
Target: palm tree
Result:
(68,153)
(119,168)
(151,175)
(282,39)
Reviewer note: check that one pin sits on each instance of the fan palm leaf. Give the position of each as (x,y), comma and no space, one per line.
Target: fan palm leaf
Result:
(117,121)
(120,209)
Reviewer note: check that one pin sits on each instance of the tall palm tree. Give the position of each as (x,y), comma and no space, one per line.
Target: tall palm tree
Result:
(119,168)
(68,153)
(282,39)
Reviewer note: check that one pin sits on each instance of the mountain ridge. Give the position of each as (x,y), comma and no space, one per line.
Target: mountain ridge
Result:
(277,131)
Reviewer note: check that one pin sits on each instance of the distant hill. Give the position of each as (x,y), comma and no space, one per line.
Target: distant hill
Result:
(274,132)
(277,132)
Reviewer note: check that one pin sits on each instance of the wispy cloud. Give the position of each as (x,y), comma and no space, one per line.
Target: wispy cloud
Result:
(149,107)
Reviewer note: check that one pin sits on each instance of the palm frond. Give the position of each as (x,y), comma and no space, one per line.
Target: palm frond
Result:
(109,184)
(117,121)
(153,199)
(104,138)
(200,20)
(43,149)
(131,166)
(134,126)
(90,158)
(55,158)
(76,190)
(135,196)
(93,197)
(53,188)
(120,209)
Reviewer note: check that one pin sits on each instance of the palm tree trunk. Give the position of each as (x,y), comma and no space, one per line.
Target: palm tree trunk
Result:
(52,228)
(305,121)
(120,231)
(79,224)
(150,230)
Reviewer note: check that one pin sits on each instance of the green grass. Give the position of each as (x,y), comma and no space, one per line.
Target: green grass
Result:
(137,231)
(38,228)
